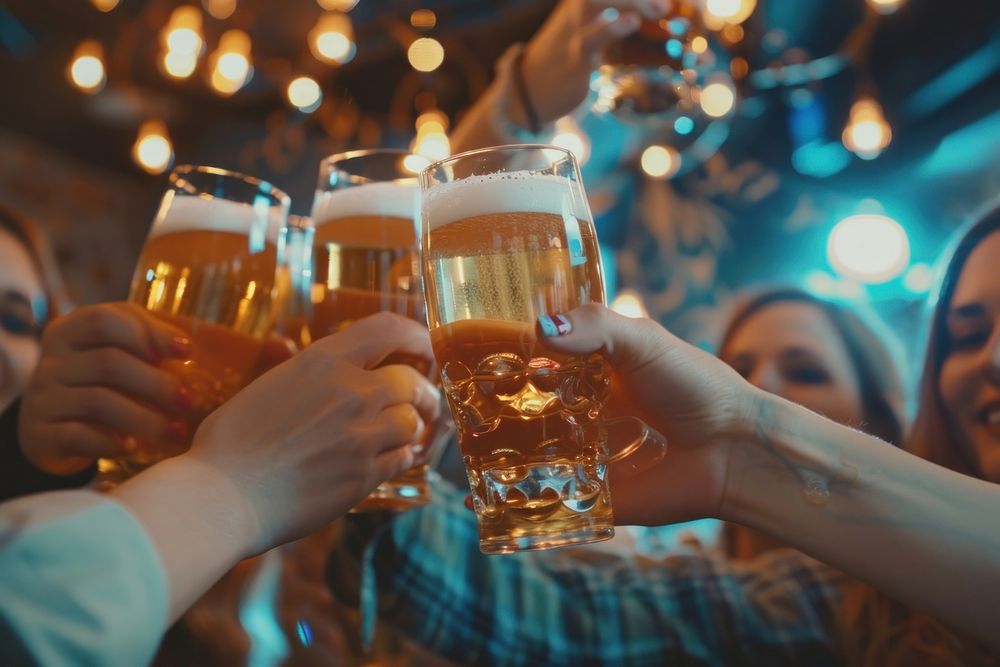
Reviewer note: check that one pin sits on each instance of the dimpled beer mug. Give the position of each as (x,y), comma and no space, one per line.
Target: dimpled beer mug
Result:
(506,236)
(365,261)
(208,267)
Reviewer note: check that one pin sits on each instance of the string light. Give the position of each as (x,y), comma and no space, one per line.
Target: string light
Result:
(182,42)
(867,132)
(717,98)
(305,94)
(105,5)
(425,54)
(179,65)
(86,69)
(660,161)
(337,5)
(431,140)
(570,137)
(152,149)
(332,39)
(219,9)
(729,11)
(231,68)
(423,19)
(885,6)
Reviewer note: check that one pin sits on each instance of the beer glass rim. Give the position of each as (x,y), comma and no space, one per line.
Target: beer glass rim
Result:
(358,179)
(266,187)
(499,149)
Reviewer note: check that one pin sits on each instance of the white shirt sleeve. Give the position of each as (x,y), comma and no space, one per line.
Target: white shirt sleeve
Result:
(80,583)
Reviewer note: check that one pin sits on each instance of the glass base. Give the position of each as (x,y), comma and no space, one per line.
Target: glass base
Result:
(406,492)
(515,543)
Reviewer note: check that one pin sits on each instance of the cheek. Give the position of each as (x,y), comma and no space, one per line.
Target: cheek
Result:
(956,385)
(20,356)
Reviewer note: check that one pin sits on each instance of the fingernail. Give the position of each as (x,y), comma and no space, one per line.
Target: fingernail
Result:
(177,430)
(180,346)
(554,325)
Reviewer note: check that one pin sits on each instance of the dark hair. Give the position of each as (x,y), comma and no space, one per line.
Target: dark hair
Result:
(882,394)
(36,243)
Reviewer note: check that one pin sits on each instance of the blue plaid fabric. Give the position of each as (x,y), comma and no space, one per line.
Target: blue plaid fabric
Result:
(584,607)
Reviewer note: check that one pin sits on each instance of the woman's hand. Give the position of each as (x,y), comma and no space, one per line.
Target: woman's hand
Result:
(98,391)
(312,437)
(560,58)
(694,399)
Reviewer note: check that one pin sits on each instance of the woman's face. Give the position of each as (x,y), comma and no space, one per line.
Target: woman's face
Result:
(20,289)
(969,383)
(793,350)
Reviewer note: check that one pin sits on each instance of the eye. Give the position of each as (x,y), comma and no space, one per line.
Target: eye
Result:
(968,340)
(807,374)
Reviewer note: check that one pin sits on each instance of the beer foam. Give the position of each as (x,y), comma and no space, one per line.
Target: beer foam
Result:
(391,200)
(186,213)
(509,192)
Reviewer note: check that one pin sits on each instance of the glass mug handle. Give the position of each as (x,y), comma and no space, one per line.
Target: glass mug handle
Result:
(633,445)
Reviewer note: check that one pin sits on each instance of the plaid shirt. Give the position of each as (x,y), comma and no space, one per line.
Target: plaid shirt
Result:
(585,607)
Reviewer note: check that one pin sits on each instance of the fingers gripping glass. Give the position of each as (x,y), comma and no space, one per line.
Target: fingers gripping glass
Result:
(506,236)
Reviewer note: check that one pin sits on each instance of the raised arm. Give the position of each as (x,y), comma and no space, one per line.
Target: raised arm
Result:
(919,532)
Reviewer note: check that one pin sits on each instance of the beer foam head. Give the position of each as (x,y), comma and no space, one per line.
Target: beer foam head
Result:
(391,200)
(509,192)
(186,213)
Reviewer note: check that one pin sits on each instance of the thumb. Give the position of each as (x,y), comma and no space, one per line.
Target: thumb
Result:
(627,343)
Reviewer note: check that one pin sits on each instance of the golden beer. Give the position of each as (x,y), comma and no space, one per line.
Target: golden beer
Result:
(365,262)
(208,268)
(500,249)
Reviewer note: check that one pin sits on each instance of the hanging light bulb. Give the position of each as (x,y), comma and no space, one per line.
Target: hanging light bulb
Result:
(305,94)
(867,132)
(179,65)
(182,42)
(886,6)
(332,39)
(152,149)
(432,141)
(231,68)
(105,5)
(718,97)
(423,19)
(425,54)
(219,9)
(86,70)
(728,11)
(337,5)
(571,137)
(660,161)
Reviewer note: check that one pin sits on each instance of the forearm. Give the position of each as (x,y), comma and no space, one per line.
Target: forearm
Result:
(198,522)
(919,532)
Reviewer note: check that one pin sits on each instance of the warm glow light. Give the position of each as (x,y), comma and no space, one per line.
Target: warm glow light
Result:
(423,18)
(179,65)
(183,31)
(432,121)
(105,5)
(699,44)
(660,161)
(183,40)
(231,69)
(426,54)
(885,6)
(416,163)
(629,303)
(152,149)
(432,145)
(730,11)
(337,5)
(717,99)
(332,38)
(86,70)
(570,137)
(305,94)
(867,132)
(870,248)
(220,9)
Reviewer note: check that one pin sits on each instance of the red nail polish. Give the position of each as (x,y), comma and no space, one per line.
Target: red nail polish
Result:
(554,325)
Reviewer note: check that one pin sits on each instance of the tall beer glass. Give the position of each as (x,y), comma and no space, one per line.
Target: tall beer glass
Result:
(365,261)
(208,267)
(506,236)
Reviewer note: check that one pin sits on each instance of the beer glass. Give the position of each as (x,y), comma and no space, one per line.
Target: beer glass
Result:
(506,236)
(208,267)
(365,261)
